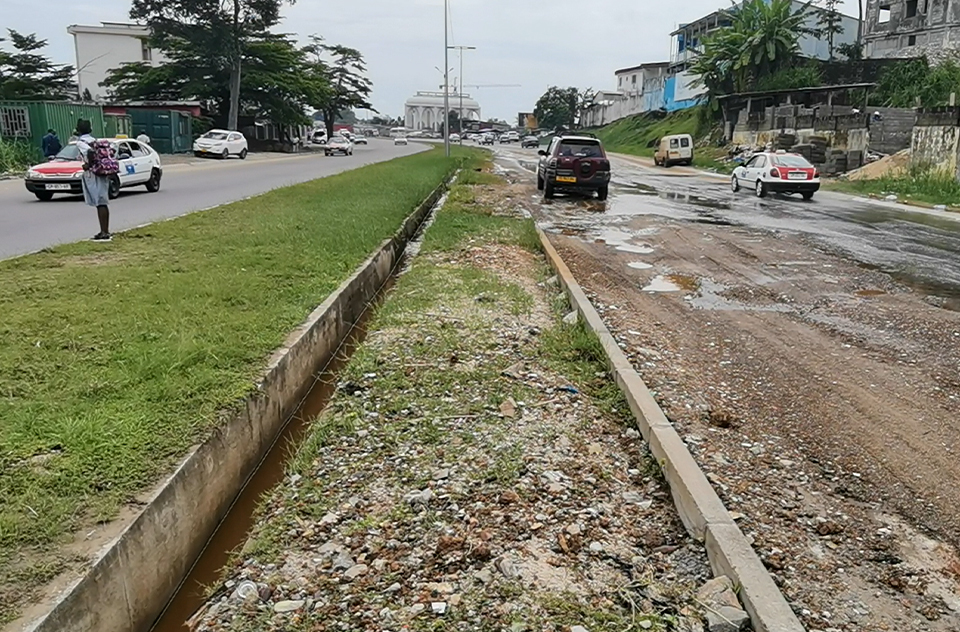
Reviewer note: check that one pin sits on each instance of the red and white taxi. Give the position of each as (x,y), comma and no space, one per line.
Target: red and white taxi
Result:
(777,172)
(139,166)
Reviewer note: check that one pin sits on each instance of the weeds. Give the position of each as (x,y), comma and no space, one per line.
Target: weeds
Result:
(922,183)
(17,156)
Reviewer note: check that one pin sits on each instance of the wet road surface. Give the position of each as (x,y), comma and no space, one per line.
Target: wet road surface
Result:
(919,248)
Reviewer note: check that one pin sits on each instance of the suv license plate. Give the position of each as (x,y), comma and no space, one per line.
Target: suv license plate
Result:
(57,187)
(565,179)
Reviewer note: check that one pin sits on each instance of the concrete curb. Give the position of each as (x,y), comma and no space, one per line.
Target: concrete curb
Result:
(700,509)
(135,575)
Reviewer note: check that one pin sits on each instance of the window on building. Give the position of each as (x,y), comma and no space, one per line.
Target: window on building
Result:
(884,15)
(620,81)
(911,9)
(14,122)
(145,51)
(634,81)
(912,40)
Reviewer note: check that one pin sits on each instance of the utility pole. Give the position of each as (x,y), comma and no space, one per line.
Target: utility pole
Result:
(446,83)
(460,50)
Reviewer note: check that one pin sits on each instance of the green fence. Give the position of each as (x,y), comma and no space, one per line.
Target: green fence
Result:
(28,121)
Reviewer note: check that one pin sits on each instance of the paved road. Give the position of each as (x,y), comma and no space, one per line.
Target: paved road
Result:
(27,225)
(920,248)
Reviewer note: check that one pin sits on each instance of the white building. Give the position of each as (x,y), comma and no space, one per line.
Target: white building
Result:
(100,49)
(424,110)
(631,81)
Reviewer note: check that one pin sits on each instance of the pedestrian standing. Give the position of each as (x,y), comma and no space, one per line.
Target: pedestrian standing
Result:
(99,166)
(50,144)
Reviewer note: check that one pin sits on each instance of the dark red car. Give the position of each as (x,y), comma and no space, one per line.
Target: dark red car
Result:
(574,163)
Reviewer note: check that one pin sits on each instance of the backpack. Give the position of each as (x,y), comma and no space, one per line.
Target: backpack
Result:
(103,160)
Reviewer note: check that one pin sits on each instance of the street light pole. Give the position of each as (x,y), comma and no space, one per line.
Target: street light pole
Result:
(460,50)
(446,83)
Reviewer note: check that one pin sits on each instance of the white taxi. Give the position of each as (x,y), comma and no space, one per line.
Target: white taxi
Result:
(221,143)
(777,172)
(139,166)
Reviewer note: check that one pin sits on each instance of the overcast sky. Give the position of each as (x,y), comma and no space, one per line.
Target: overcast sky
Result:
(533,43)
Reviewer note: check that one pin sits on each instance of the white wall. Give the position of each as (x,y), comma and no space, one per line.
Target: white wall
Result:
(100,49)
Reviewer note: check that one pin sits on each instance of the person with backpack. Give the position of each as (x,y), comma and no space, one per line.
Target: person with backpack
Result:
(99,166)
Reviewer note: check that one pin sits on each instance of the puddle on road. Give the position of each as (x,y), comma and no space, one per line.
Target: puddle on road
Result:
(637,250)
(639,265)
(709,297)
(661,283)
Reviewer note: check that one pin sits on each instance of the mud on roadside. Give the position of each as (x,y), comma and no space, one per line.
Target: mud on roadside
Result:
(820,397)
(474,470)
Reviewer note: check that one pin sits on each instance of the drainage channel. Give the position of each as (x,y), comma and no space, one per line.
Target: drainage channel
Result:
(232,531)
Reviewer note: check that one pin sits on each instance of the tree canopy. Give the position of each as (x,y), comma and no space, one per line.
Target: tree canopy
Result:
(344,71)
(762,39)
(25,73)
(557,108)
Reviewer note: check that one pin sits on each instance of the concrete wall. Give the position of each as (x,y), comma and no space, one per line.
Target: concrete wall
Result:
(894,131)
(936,26)
(100,49)
(936,146)
(129,584)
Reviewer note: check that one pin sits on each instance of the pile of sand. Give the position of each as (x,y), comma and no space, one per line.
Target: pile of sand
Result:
(889,165)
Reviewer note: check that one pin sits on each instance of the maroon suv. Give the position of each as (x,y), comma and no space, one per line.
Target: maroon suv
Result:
(574,163)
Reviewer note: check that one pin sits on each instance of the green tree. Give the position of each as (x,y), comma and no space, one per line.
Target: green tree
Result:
(25,73)
(453,121)
(557,108)
(829,23)
(344,72)
(763,38)
(224,28)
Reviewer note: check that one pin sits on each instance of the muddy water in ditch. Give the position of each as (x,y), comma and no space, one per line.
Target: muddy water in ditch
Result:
(233,529)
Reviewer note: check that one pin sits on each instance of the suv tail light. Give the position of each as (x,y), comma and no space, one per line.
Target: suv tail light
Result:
(605,165)
(774,173)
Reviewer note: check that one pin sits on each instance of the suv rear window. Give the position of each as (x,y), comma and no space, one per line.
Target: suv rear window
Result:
(580,149)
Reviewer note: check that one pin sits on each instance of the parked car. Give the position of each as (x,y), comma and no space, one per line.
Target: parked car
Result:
(400,140)
(339,145)
(360,139)
(221,143)
(574,163)
(674,150)
(139,166)
(529,141)
(319,137)
(775,172)
(454,138)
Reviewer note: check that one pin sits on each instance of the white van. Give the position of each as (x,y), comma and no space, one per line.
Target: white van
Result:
(674,150)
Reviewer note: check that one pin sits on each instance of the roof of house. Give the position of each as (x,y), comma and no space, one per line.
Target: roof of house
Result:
(652,64)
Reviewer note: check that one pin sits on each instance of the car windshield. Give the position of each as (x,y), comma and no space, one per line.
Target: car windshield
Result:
(215,135)
(580,149)
(68,153)
(792,161)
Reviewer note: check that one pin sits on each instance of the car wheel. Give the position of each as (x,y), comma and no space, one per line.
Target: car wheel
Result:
(548,190)
(113,190)
(43,196)
(326,153)
(243,154)
(225,154)
(153,184)
(197,154)
(761,189)
(603,192)
(539,182)
(808,195)
(735,184)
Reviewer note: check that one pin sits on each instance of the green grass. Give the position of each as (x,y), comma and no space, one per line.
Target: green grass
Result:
(16,156)
(114,359)
(638,136)
(923,185)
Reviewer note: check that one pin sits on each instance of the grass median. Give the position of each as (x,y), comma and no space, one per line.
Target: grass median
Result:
(114,359)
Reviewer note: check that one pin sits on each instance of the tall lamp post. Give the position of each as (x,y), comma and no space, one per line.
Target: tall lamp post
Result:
(446,82)
(460,49)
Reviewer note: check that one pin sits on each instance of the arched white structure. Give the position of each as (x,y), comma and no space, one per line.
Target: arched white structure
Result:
(424,110)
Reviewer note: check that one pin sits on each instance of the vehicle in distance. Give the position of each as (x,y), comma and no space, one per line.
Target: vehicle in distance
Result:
(454,138)
(338,145)
(360,139)
(486,139)
(529,141)
(510,137)
(674,150)
(775,172)
(221,143)
(574,163)
(139,166)
(399,140)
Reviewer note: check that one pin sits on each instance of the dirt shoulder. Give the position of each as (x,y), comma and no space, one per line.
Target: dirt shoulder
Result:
(474,469)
